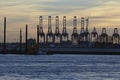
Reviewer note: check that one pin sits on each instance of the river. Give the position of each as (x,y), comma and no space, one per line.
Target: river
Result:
(59,67)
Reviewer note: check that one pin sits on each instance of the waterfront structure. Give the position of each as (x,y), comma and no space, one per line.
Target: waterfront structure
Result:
(75,35)
(49,35)
(115,36)
(64,36)
(57,35)
(85,41)
(40,32)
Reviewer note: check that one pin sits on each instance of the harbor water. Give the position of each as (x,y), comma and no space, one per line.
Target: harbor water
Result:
(59,67)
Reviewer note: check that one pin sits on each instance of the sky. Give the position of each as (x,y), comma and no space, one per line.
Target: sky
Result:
(102,13)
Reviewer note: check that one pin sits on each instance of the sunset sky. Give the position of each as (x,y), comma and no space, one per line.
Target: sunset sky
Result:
(102,13)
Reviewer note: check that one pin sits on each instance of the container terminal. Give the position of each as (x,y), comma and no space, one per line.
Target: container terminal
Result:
(53,42)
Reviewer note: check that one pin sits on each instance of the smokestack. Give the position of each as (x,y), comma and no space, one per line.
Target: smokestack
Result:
(37,34)
(4,33)
(20,40)
(26,36)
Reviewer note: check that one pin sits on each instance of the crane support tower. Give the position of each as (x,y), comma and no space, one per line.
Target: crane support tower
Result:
(49,35)
(82,33)
(87,34)
(104,38)
(74,36)
(40,32)
(115,36)
(57,35)
(94,38)
(64,36)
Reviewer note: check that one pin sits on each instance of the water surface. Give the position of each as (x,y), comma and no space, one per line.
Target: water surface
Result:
(59,67)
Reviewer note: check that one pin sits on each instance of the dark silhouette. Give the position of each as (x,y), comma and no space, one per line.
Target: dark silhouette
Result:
(85,42)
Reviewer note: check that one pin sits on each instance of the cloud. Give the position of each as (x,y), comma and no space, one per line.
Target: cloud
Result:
(102,13)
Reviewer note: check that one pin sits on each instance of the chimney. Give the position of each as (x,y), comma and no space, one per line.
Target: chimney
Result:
(4,33)
(26,37)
